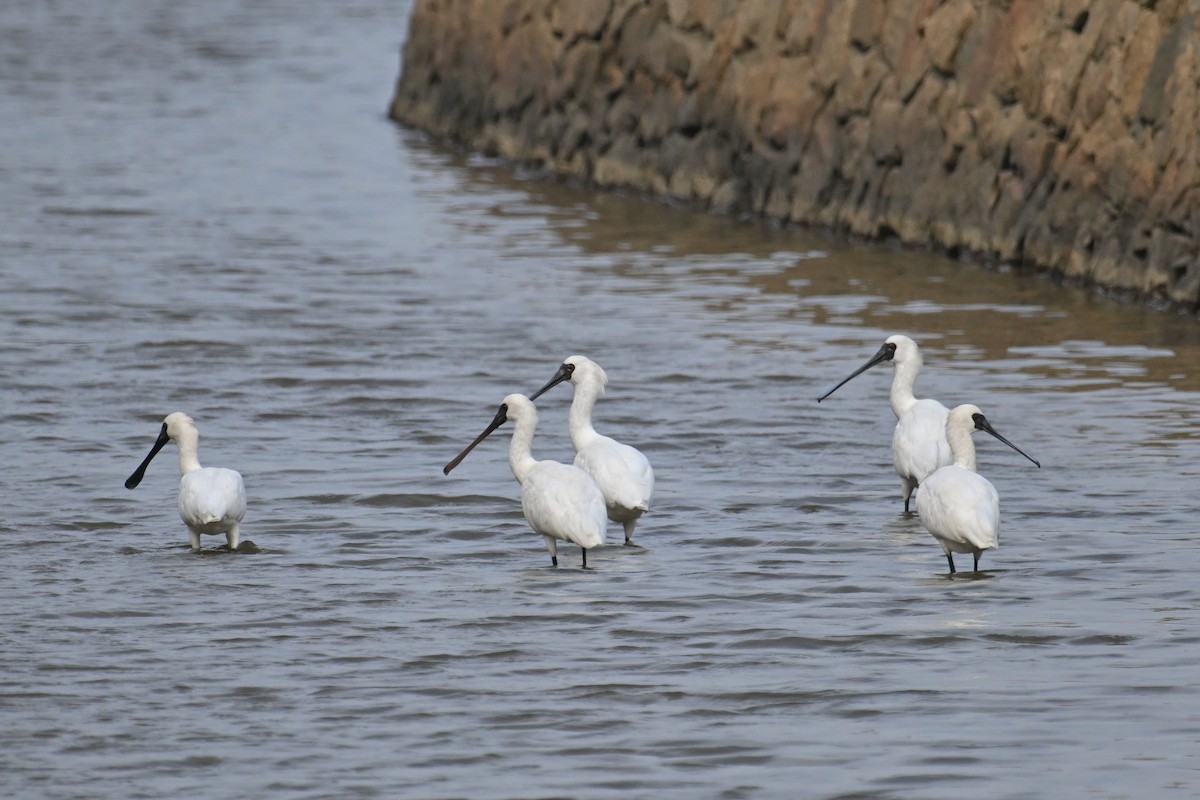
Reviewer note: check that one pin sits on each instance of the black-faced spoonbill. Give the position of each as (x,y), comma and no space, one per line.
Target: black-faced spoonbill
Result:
(622,472)
(560,501)
(919,445)
(957,505)
(211,499)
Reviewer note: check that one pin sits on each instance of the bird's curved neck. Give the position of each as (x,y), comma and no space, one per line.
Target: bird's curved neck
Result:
(902,397)
(520,449)
(963,448)
(579,422)
(188,443)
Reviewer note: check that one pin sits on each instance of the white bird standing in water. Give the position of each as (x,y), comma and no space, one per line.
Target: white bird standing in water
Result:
(560,501)
(957,505)
(919,445)
(211,499)
(622,472)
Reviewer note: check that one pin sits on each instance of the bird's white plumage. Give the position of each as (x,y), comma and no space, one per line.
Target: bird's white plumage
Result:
(212,500)
(919,445)
(958,506)
(560,501)
(961,509)
(622,472)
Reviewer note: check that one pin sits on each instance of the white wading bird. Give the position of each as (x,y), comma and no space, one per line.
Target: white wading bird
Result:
(957,505)
(211,499)
(560,501)
(919,445)
(622,472)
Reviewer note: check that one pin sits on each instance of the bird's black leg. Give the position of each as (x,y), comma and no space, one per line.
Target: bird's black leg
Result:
(976,562)
(554,560)
(906,503)
(584,551)
(950,559)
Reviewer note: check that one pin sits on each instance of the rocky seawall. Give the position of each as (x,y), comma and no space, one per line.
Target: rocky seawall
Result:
(1058,134)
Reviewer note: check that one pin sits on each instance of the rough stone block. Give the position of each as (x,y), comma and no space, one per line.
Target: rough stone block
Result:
(576,19)
(1054,133)
(944,31)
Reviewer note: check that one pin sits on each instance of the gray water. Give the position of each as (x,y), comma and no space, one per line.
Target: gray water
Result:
(204,209)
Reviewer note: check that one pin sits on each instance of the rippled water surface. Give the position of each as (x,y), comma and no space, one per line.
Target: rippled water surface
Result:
(204,209)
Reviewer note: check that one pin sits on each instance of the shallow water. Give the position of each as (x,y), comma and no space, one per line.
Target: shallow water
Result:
(205,210)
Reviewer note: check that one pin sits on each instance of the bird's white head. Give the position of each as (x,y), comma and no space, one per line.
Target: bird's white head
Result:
(181,429)
(962,422)
(179,425)
(585,372)
(899,349)
(963,418)
(904,351)
(582,372)
(519,408)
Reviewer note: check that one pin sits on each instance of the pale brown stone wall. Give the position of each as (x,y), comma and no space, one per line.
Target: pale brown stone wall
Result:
(1060,134)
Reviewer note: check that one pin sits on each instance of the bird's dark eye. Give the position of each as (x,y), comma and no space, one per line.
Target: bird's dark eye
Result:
(891,350)
(570,368)
(979,419)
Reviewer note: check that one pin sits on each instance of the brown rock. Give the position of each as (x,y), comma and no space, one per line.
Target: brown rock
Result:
(944,31)
(580,19)
(1056,133)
